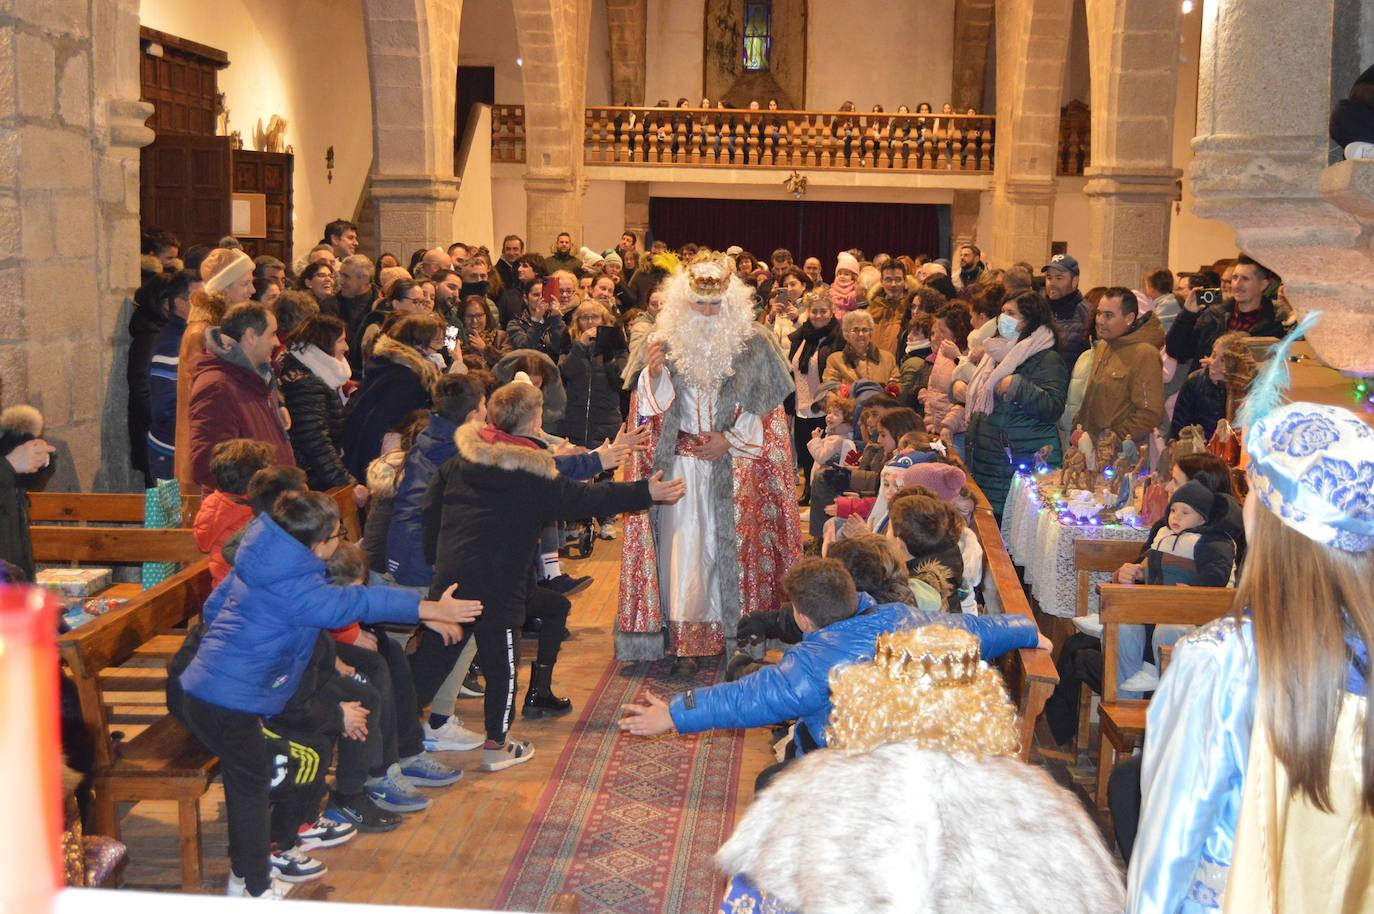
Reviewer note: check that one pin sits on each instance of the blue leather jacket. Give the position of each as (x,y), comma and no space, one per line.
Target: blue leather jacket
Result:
(798,686)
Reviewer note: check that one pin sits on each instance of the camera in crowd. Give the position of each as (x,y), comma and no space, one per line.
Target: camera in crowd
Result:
(1208,297)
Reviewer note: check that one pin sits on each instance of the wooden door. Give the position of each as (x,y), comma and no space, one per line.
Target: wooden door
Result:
(185,187)
(269,174)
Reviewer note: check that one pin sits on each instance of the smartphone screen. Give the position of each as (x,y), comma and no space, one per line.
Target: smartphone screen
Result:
(450,336)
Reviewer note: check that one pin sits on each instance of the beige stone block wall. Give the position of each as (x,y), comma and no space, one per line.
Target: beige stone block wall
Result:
(68,257)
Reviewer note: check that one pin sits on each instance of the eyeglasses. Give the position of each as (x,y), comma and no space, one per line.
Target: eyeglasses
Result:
(861,331)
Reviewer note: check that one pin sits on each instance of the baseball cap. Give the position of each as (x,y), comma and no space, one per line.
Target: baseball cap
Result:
(1063,262)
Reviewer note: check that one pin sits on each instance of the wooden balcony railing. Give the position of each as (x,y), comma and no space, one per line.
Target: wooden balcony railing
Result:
(768,139)
(1075,139)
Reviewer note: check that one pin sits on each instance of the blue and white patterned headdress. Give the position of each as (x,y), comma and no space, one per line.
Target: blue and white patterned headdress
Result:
(1313,466)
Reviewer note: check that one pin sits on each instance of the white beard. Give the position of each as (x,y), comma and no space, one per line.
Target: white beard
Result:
(702,348)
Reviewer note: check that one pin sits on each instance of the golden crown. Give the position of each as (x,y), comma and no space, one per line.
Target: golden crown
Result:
(708,274)
(932,655)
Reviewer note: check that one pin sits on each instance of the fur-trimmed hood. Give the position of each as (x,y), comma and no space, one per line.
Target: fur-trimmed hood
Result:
(490,447)
(934,829)
(384,474)
(395,351)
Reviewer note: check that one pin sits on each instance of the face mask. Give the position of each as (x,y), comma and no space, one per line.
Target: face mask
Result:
(1006,327)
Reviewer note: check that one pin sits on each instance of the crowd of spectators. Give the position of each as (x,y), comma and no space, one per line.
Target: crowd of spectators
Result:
(461,397)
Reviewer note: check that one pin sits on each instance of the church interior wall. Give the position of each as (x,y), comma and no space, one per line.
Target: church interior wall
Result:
(906,56)
(674,49)
(298,60)
(488,39)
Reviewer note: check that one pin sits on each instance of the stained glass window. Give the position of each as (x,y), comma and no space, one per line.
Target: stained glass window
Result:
(758,38)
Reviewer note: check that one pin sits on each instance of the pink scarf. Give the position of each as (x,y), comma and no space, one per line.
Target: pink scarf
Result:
(1001,359)
(844,296)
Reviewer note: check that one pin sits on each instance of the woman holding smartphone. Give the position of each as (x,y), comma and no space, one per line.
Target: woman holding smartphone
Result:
(783,312)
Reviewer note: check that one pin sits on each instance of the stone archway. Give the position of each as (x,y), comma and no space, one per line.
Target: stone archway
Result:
(412,58)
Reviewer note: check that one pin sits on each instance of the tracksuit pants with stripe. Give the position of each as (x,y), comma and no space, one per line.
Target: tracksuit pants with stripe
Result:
(271,785)
(498,653)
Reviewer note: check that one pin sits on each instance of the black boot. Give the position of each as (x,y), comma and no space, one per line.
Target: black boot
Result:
(540,700)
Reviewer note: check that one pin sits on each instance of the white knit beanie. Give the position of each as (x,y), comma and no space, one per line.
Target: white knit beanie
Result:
(237,267)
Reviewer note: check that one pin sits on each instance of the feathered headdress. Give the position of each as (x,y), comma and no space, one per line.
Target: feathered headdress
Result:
(1270,386)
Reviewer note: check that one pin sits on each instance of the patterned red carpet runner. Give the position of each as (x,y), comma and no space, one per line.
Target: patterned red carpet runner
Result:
(630,825)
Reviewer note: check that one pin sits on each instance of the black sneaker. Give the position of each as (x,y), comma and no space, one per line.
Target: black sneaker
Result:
(362,814)
(295,865)
(472,686)
(567,585)
(324,832)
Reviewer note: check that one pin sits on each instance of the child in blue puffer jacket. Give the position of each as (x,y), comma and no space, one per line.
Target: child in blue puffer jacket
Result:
(261,626)
(839,626)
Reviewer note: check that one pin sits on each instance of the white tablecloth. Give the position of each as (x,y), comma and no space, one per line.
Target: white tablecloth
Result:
(1039,542)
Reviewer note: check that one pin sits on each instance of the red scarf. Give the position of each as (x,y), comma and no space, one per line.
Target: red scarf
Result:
(493,435)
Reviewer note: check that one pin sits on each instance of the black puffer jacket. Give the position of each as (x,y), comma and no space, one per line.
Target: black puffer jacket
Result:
(1201,401)
(592,381)
(316,425)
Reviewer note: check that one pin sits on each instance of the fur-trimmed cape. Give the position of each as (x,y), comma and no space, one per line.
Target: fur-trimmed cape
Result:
(905,830)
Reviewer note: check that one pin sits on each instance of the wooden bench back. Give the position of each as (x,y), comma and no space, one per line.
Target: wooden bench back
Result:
(113,545)
(111,639)
(1030,674)
(1104,556)
(348,512)
(99,508)
(1145,604)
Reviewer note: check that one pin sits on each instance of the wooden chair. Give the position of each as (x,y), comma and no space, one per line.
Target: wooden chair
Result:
(1121,723)
(164,762)
(1090,556)
(1029,673)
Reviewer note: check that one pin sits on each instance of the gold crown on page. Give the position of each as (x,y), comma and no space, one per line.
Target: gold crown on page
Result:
(932,655)
(708,273)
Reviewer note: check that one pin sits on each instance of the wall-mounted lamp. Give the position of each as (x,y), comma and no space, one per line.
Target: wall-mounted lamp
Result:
(1187,7)
(329,165)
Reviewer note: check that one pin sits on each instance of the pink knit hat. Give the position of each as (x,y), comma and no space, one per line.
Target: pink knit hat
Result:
(944,480)
(846,261)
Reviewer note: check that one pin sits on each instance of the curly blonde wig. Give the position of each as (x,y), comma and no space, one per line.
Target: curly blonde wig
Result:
(927,686)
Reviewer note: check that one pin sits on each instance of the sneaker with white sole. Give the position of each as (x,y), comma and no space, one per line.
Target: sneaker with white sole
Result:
(424,770)
(451,737)
(295,865)
(394,792)
(324,832)
(472,688)
(1145,679)
(238,888)
(514,752)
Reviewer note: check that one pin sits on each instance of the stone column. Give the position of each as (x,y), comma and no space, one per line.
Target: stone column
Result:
(1131,183)
(1032,44)
(412,55)
(972,35)
(963,222)
(553,44)
(1260,165)
(637,211)
(70,129)
(628,23)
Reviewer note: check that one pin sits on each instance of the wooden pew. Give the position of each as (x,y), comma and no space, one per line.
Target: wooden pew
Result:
(164,762)
(1121,723)
(1030,674)
(98,508)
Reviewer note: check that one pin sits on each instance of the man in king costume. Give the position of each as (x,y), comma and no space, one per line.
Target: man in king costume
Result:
(711,383)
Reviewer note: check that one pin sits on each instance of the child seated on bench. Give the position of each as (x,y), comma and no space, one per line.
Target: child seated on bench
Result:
(261,626)
(226,510)
(400,763)
(1191,549)
(928,531)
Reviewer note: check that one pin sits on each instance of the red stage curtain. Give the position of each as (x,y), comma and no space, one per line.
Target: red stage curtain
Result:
(806,228)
